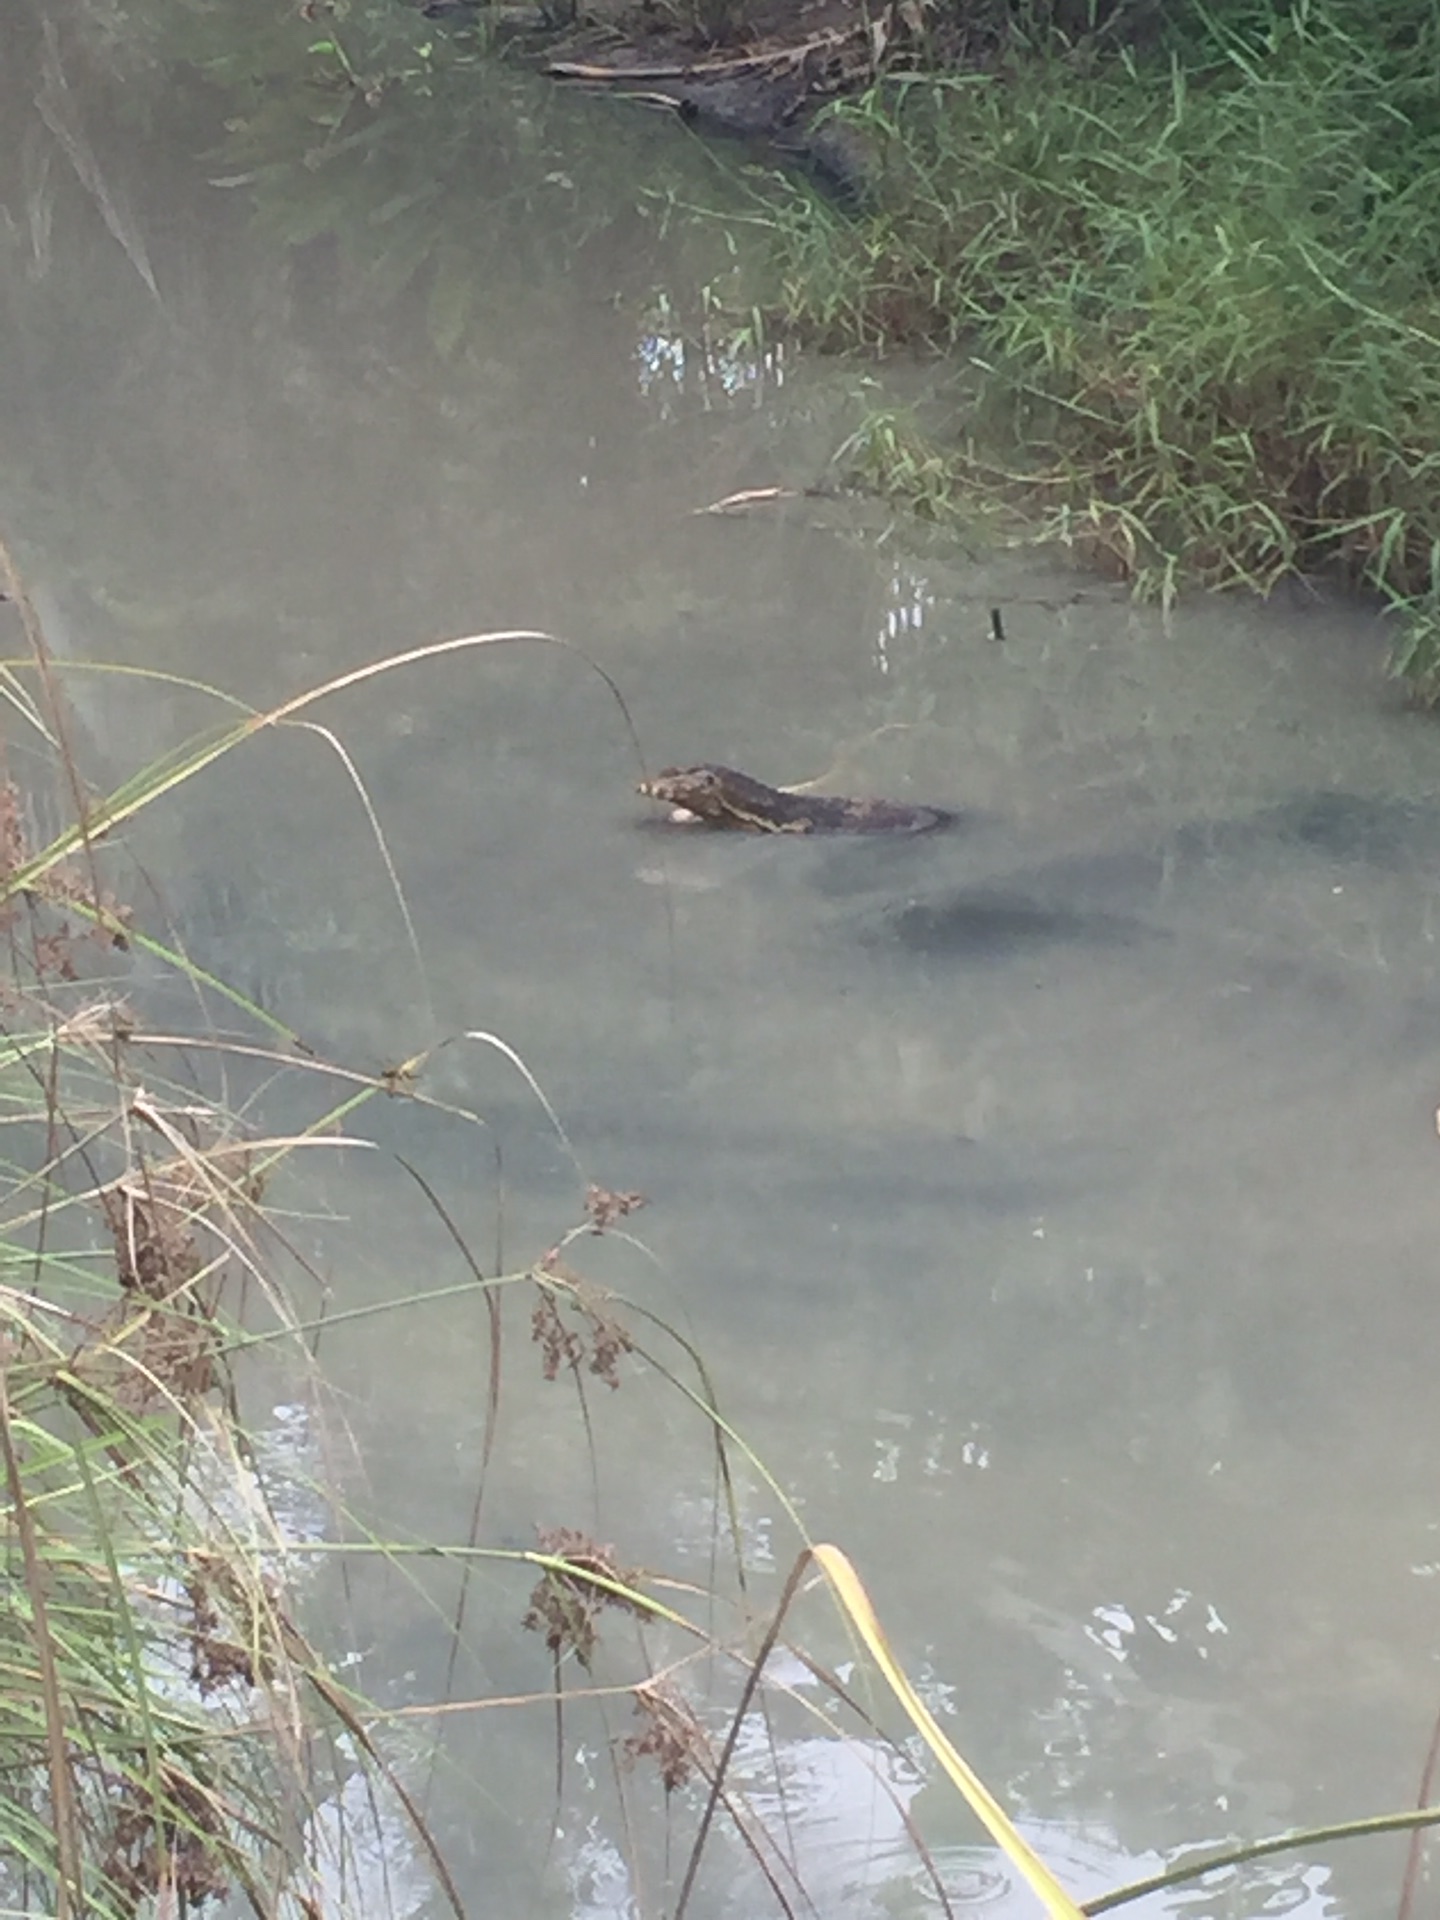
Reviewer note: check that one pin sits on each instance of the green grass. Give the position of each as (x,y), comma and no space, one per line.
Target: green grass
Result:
(1197,287)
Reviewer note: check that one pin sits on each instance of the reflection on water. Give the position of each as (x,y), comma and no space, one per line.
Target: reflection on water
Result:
(676,368)
(1055,1200)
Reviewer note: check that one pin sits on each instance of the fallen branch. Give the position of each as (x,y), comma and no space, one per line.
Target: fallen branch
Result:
(696,69)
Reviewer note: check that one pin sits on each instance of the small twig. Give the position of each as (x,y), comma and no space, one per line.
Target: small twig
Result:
(750,497)
(765,496)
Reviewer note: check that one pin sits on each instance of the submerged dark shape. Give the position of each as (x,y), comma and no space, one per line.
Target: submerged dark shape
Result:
(979,923)
(1379,831)
(721,797)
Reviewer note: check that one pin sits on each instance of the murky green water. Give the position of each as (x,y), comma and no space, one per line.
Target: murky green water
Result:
(1054,1201)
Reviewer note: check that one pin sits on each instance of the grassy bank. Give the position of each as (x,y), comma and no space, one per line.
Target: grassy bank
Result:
(1196,280)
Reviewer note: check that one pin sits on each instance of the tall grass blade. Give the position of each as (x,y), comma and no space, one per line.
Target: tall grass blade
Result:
(855,1603)
(1260,1849)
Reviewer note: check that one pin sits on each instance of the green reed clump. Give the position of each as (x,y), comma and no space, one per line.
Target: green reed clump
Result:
(1200,279)
(167,1736)
(157,1694)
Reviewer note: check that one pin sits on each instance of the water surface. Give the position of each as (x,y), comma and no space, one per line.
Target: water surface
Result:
(1054,1200)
